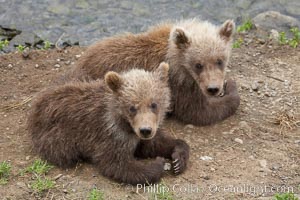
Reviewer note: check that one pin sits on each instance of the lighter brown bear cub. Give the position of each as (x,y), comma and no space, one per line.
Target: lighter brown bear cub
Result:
(112,124)
(198,53)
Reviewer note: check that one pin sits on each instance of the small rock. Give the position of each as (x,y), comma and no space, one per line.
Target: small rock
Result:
(255,86)
(26,52)
(21,185)
(167,166)
(297,141)
(190,126)
(65,191)
(57,65)
(9,66)
(243,125)
(275,167)
(68,62)
(238,140)
(58,60)
(251,157)
(206,177)
(274,34)
(77,56)
(27,158)
(206,158)
(263,163)
(36,66)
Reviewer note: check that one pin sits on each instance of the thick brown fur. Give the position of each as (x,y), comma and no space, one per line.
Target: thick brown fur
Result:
(198,53)
(95,121)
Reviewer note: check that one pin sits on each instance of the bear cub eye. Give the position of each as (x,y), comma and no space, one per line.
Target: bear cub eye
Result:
(133,109)
(153,106)
(219,63)
(199,66)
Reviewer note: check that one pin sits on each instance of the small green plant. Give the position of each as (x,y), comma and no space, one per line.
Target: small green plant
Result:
(5,169)
(285,196)
(294,42)
(163,193)
(282,38)
(3,43)
(41,184)
(20,48)
(47,45)
(95,194)
(237,43)
(246,26)
(39,167)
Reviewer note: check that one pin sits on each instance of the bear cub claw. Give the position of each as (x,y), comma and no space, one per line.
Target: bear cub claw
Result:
(179,162)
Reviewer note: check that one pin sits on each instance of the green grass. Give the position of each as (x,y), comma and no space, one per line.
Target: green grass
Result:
(95,194)
(294,41)
(3,44)
(5,169)
(39,167)
(237,43)
(282,38)
(20,48)
(47,45)
(162,193)
(40,184)
(246,26)
(285,196)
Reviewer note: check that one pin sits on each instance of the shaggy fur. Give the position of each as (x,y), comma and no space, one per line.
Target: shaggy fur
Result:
(198,53)
(102,122)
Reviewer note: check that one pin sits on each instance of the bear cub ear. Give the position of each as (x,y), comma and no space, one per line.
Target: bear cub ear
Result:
(227,29)
(163,71)
(113,80)
(180,38)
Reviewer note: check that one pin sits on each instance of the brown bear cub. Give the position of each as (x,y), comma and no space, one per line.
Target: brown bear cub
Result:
(112,124)
(198,53)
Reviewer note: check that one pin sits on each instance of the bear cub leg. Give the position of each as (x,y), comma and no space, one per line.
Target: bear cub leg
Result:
(165,146)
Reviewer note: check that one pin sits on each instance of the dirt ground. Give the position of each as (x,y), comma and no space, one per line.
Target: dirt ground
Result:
(247,156)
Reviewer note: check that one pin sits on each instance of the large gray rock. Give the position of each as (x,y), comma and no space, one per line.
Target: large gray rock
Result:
(26,38)
(275,20)
(8,33)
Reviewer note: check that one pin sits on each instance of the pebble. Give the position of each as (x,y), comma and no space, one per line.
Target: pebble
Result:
(26,52)
(57,65)
(297,141)
(9,66)
(263,163)
(238,140)
(21,185)
(206,177)
(244,126)
(190,126)
(27,157)
(68,62)
(251,157)
(167,166)
(255,86)
(36,66)
(206,158)
(275,167)
(77,56)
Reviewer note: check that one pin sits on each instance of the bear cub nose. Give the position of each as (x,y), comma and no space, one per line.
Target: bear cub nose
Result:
(146,131)
(212,90)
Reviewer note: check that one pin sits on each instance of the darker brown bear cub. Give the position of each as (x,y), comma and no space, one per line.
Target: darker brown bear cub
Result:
(112,124)
(198,53)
